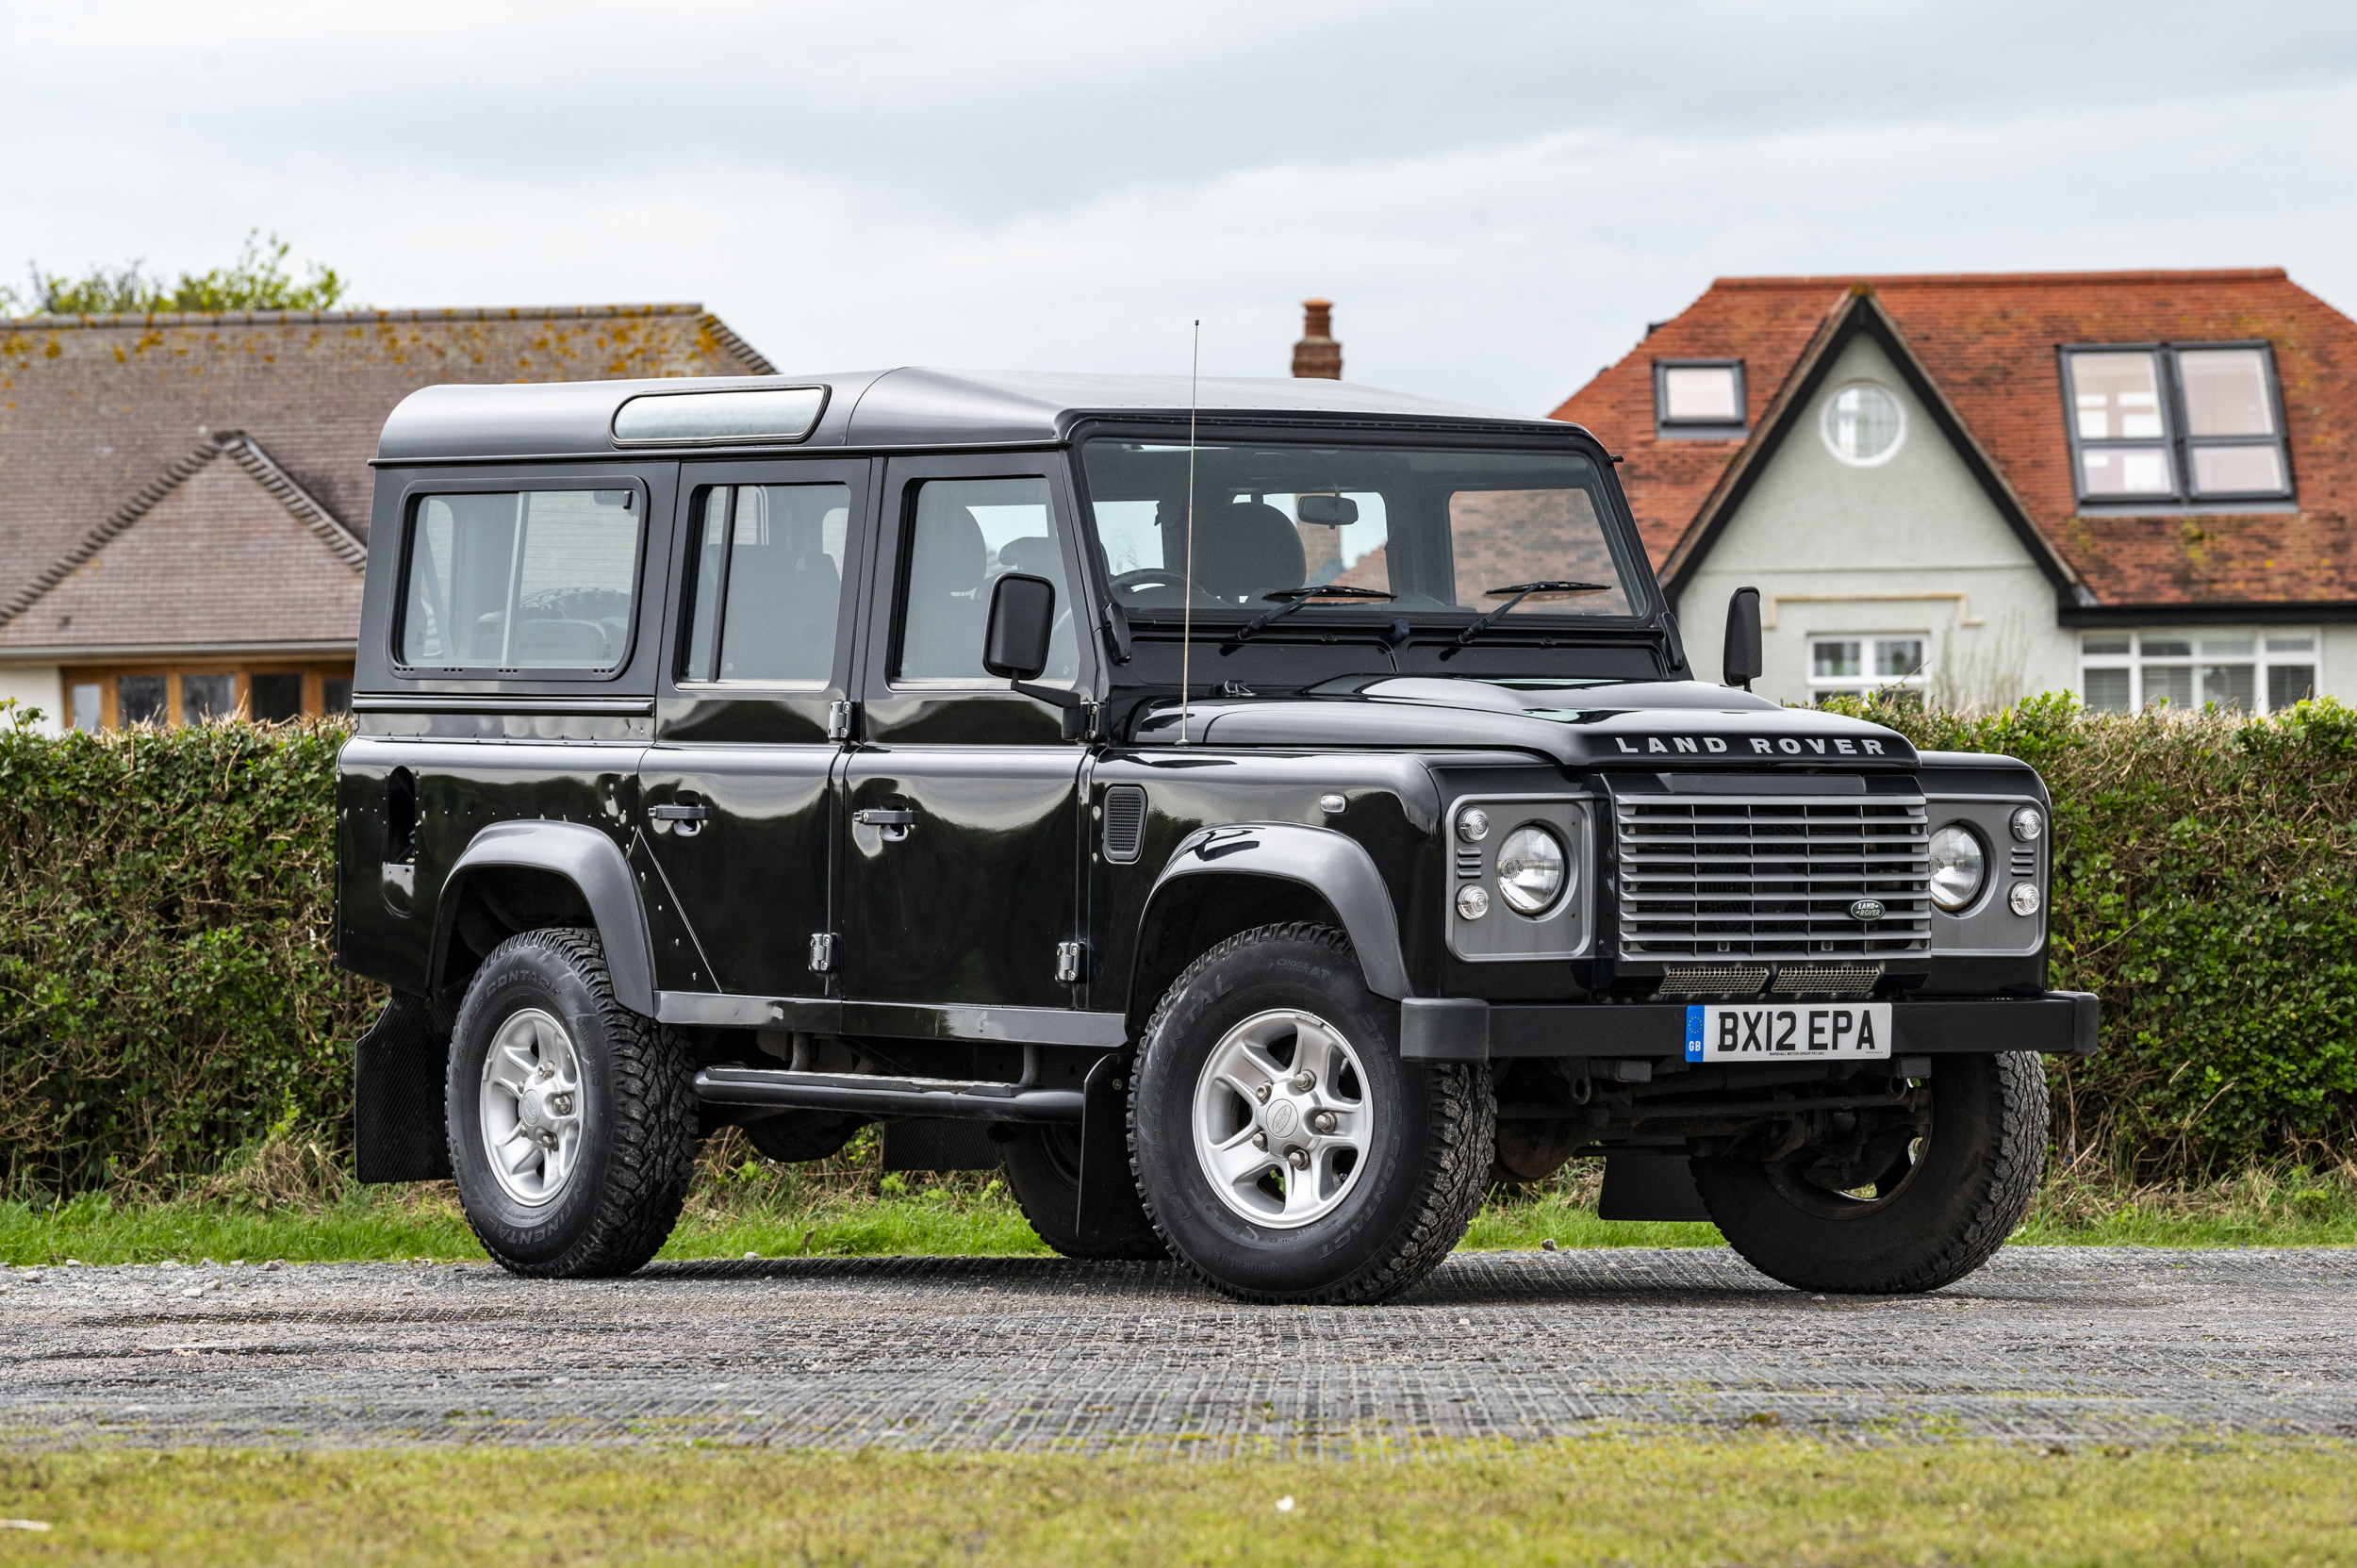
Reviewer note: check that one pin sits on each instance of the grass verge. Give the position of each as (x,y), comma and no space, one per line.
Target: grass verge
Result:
(850,1207)
(1761,1500)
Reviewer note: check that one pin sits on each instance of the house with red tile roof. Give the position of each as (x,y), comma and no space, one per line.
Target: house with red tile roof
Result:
(183,499)
(2138,487)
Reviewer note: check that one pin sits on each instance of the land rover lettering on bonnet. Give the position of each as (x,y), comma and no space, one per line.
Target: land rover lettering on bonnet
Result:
(1255,817)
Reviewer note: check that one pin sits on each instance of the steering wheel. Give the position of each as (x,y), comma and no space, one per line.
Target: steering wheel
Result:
(1151,577)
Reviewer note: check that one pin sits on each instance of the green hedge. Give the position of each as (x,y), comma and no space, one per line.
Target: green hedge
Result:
(2206,887)
(166,995)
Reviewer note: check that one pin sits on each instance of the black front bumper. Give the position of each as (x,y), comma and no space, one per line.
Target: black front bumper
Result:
(1458,1029)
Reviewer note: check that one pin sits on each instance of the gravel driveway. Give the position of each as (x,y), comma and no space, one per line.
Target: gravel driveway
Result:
(2045,1345)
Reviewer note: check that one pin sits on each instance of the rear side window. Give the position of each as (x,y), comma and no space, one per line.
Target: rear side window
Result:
(769,583)
(522,580)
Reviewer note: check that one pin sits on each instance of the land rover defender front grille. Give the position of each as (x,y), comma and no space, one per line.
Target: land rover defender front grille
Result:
(1793,879)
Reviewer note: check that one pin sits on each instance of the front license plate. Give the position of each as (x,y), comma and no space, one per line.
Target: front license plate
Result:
(1825,1031)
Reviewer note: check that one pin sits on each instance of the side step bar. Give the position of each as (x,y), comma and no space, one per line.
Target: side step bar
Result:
(887,1096)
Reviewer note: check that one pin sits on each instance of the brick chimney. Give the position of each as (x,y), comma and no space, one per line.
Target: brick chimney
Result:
(1317,356)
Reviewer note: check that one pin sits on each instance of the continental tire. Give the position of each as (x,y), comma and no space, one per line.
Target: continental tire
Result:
(1043,1173)
(571,1119)
(1969,1187)
(1284,1008)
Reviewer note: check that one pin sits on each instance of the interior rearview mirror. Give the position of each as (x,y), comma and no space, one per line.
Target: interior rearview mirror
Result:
(1022,614)
(1333,511)
(1742,661)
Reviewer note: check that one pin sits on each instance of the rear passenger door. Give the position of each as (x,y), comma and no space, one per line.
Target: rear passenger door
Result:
(736,790)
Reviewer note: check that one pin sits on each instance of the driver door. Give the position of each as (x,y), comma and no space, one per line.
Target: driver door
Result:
(960,834)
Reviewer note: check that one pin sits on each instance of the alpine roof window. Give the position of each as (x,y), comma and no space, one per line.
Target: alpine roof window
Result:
(2195,423)
(1699,397)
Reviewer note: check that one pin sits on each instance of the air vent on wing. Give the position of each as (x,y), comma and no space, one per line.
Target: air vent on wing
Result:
(1124,823)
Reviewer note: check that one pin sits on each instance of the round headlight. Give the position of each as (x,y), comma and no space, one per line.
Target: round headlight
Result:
(1472,826)
(1532,870)
(1959,867)
(2024,899)
(1473,902)
(2027,824)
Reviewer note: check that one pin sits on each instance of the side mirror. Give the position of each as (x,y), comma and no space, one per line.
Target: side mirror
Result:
(1331,511)
(1022,614)
(1742,662)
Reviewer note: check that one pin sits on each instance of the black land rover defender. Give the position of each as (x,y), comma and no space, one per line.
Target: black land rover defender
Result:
(1259,824)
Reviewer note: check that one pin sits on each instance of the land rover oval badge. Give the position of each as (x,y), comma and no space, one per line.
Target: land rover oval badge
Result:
(1867,910)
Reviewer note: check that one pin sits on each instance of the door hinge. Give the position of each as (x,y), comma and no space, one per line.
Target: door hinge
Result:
(838,722)
(1072,961)
(822,953)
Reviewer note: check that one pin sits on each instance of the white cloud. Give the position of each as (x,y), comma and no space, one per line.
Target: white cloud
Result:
(1498,204)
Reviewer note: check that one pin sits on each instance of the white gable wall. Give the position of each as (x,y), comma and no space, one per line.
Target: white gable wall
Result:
(1910,547)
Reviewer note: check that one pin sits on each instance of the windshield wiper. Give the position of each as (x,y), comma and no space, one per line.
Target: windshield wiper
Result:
(1294,598)
(1521,591)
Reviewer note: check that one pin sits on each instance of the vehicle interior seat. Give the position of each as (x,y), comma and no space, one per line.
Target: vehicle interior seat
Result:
(1245,550)
(784,599)
(942,631)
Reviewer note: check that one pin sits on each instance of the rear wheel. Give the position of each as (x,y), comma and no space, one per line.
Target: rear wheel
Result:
(1043,1173)
(571,1119)
(1284,1150)
(1937,1209)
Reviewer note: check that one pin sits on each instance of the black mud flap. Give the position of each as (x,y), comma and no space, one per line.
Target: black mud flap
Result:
(1650,1186)
(939,1143)
(1108,1194)
(397,1072)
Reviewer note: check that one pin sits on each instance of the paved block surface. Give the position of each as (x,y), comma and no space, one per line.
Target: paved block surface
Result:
(2045,1345)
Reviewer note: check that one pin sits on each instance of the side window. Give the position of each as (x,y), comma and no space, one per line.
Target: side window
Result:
(522,580)
(967,533)
(768,582)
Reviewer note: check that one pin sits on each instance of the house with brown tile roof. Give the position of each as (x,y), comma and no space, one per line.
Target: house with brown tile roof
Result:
(184,500)
(2139,486)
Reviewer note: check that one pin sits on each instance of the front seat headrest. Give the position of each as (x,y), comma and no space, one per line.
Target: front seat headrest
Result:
(1247,549)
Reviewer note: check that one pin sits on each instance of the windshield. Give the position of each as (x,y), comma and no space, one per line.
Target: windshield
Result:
(1416,529)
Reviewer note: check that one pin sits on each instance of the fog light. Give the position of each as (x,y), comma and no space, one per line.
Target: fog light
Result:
(2027,824)
(2024,899)
(1473,902)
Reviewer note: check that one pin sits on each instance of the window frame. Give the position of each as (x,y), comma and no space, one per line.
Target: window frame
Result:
(2262,659)
(1868,684)
(2174,438)
(1700,429)
(413,507)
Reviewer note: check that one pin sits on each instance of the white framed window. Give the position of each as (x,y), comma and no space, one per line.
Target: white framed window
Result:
(2249,669)
(1864,425)
(1845,664)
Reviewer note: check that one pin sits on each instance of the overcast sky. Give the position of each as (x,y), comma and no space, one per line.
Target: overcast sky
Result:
(1498,196)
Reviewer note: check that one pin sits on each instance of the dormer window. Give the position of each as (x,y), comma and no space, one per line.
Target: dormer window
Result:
(1699,398)
(2194,424)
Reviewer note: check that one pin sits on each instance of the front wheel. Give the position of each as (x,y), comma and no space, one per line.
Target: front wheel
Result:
(1284,1150)
(571,1119)
(1941,1207)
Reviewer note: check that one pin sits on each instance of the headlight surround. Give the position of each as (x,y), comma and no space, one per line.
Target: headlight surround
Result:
(1959,867)
(1534,872)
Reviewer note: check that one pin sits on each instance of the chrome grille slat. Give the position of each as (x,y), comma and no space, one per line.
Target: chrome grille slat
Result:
(1723,877)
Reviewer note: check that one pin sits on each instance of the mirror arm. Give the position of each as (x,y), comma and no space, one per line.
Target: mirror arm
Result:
(1078,707)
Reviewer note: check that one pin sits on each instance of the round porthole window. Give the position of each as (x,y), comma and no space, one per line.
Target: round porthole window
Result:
(1863,424)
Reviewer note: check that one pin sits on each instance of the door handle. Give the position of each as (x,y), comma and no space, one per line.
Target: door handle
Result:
(892,826)
(680,814)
